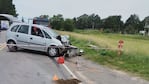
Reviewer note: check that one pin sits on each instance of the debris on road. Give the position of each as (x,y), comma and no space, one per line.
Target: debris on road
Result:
(55,78)
(68,81)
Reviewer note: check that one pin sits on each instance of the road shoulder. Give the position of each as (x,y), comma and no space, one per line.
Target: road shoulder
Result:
(94,73)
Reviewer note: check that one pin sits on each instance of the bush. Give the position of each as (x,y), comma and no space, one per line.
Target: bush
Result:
(68,25)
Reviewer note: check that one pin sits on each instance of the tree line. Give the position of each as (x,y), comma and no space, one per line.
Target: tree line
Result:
(111,24)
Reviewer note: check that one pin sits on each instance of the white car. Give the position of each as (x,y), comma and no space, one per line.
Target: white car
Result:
(33,37)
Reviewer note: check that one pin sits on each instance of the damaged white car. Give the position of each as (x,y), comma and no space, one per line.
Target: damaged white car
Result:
(39,38)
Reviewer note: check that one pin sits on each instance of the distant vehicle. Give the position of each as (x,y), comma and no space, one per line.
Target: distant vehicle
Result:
(41,21)
(142,32)
(6,20)
(40,38)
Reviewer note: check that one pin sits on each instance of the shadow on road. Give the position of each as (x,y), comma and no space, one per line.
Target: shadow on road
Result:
(33,52)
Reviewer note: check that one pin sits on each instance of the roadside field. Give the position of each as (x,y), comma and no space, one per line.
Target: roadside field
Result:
(132,44)
(135,56)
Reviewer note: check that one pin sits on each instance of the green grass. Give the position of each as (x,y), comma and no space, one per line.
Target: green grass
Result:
(135,56)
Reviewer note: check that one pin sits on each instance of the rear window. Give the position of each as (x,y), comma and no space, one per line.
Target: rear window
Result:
(24,29)
(14,28)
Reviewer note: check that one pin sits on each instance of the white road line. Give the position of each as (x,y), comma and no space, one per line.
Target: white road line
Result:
(85,78)
(79,74)
(2,46)
(69,71)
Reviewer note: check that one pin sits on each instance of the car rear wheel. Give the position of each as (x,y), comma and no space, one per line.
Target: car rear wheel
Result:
(11,46)
(53,52)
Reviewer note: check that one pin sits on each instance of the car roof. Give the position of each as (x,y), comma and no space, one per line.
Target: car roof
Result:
(36,25)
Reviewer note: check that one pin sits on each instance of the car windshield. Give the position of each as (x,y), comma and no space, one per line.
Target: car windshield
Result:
(51,32)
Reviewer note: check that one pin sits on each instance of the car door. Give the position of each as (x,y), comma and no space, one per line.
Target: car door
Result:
(36,39)
(22,36)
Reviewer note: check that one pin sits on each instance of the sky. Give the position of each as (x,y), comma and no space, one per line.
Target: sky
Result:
(75,8)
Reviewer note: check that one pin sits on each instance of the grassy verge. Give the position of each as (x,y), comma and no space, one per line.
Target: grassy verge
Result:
(135,58)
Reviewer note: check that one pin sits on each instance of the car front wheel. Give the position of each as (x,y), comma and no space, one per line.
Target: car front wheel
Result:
(53,52)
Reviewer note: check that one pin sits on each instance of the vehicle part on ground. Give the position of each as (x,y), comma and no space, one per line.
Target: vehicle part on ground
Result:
(73,51)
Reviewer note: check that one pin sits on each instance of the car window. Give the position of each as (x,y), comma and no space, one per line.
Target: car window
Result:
(24,29)
(14,28)
(51,32)
(46,35)
(36,31)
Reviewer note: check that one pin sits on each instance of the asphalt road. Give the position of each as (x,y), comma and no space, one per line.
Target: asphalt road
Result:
(32,67)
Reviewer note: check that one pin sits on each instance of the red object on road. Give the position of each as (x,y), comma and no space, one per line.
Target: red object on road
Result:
(60,60)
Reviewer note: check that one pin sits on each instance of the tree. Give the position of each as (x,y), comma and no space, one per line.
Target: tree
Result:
(7,7)
(145,25)
(69,25)
(57,21)
(113,24)
(94,21)
(44,16)
(87,21)
(97,21)
(75,22)
(82,21)
(145,22)
(132,24)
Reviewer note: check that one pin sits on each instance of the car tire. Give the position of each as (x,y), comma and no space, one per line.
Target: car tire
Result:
(11,47)
(53,52)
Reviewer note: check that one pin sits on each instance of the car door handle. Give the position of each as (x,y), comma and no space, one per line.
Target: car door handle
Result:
(31,38)
(17,35)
